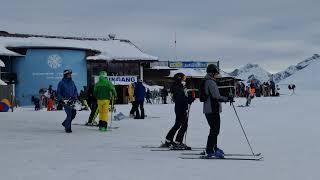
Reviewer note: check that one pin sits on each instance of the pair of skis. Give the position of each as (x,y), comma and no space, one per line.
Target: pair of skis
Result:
(110,127)
(240,158)
(227,156)
(159,148)
(201,155)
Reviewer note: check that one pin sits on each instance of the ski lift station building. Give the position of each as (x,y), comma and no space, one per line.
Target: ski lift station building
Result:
(33,62)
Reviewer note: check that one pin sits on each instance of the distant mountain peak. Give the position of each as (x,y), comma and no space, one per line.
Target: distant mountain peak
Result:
(245,68)
(254,71)
(294,68)
(251,71)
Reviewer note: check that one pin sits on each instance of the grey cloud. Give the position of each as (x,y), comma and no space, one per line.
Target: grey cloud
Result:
(274,33)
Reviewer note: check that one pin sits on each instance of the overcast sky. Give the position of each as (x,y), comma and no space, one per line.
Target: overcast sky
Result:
(272,33)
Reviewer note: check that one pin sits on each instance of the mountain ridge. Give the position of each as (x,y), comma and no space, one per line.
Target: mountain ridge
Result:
(253,71)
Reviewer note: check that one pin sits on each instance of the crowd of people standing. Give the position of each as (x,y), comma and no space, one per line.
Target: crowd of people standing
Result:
(258,89)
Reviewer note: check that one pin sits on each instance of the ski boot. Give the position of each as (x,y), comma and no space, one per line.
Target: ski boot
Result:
(219,150)
(180,146)
(103,129)
(216,154)
(103,126)
(68,130)
(93,123)
(167,144)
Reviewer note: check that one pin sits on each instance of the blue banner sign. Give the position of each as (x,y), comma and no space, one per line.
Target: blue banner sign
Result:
(189,64)
(120,80)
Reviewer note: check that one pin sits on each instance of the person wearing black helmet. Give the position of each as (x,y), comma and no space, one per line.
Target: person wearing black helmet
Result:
(181,100)
(212,109)
(67,90)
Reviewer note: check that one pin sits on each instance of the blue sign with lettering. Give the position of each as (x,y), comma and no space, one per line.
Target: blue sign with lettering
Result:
(40,68)
(189,64)
(120,80)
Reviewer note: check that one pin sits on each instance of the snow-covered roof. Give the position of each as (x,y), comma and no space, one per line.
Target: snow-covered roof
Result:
(2,83)
(110,49)
(2,64)
(5,52)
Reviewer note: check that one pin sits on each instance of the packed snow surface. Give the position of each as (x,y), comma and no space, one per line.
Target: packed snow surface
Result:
(284,129)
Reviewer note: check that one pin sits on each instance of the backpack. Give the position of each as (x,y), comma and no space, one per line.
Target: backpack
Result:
(202,92)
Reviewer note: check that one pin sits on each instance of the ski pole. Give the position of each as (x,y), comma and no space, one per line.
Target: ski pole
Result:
(185,135)
(243,129)
(112,107)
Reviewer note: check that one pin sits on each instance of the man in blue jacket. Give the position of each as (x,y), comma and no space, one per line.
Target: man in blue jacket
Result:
(139,93)
(67,91)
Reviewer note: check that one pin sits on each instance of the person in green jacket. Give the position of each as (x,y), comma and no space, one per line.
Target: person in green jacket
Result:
(104,91)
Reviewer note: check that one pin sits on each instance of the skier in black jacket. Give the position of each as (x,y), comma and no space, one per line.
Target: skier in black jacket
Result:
(92,102)
(182,101)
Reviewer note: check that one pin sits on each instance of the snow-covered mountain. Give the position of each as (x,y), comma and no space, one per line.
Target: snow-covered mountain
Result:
(251,71)
(306,78)
(294,68)
(254,71)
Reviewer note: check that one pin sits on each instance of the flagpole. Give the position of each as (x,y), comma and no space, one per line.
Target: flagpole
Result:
(175,45)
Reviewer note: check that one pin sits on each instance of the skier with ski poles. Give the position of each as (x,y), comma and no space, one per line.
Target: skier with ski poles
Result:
(103,91)
(131,98)
(67,92)
(212,109)
(93,104)
(182,102)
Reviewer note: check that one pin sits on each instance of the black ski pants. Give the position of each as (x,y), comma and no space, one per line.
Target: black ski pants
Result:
(181,124)
(133,107)
(214,123)
(94,107)
(139,104)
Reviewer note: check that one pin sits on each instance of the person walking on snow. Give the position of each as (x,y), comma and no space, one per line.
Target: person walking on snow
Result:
(139,94)
(132,99)
(212,109)
(93,104)
(148,96)
(67,91)
(104,91)
(164,94)
(36,102)
(249,96)
(182,101)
